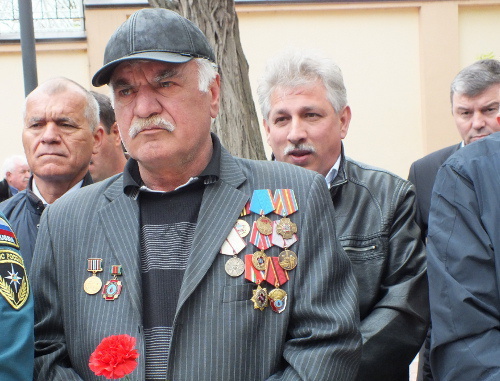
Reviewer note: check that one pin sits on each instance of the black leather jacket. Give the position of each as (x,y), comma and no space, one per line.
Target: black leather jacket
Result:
(375,217)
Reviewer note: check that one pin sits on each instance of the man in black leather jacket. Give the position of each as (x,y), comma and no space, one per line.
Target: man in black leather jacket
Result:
(306,116)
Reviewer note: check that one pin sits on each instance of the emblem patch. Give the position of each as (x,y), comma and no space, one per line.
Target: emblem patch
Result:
(14,286)
(7,236)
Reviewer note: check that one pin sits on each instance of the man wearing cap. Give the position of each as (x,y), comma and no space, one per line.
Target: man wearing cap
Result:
(214,264)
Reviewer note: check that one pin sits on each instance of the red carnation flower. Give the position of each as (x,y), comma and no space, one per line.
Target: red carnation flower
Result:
(114,357)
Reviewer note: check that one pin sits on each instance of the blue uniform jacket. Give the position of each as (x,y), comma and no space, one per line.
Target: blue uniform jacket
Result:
(16,310)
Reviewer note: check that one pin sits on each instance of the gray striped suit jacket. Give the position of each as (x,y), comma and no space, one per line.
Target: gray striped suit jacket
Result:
(217,333)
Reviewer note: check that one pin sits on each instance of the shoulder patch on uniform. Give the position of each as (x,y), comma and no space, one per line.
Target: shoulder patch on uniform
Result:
(14,285)
(7,236)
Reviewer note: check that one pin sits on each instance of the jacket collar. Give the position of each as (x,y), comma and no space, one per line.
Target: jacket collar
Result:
(35,204)
(341,177)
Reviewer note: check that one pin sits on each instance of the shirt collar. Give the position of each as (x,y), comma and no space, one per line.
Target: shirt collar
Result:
(132,182)
(37,193)
(330,176)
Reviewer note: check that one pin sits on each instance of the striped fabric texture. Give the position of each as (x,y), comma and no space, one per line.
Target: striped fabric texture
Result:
(217,335)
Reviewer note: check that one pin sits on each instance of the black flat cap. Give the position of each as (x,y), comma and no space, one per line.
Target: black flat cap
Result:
(153,34)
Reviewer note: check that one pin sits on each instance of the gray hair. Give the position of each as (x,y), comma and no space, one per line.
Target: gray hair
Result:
(294,68)
(476,78)
(61,84)
(207,71)
(11,163)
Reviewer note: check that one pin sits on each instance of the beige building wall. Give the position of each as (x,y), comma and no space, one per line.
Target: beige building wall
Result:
(61,59)
(398,59)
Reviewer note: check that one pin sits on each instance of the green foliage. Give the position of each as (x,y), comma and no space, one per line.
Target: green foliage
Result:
(485,56)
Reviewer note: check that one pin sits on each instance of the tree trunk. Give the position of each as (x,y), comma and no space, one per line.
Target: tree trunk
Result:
(236,125)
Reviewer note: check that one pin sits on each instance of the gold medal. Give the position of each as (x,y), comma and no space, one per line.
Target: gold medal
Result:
(259,298)
(264,225)
(286,228)
(235,267)
(287,259)
(92,285)
(259,260)
(277,300)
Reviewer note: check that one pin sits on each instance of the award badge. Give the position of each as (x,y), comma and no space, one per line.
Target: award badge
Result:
(276,276)
(93,283)
(262,204)
(263,242)
(113,287)
(259,298)
(278,240)
(232,246)
(285,204)
(287,258)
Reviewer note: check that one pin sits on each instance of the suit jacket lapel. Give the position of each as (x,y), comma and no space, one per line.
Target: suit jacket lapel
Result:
(221,206)
(120,221)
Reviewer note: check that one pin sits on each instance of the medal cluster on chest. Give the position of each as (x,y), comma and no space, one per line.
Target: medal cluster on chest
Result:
(263,234)
(113,287)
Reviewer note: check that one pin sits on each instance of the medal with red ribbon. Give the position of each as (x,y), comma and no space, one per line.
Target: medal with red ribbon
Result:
(285,204)
(263,242)
(276,276)
(259,298)
(113,287)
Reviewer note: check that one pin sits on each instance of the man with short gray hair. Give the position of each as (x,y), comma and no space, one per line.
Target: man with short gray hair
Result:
(306,116)
(59,136)
(16,173)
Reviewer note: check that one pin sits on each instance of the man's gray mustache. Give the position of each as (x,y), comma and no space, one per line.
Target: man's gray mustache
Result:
(301,147)
(153,121)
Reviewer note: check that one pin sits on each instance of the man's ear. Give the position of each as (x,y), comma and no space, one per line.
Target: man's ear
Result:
(98,136)
(345,120)
(117,140)
(267,129)
(214,90)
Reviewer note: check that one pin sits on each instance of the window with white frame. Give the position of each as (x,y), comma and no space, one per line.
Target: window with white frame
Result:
(51,18)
